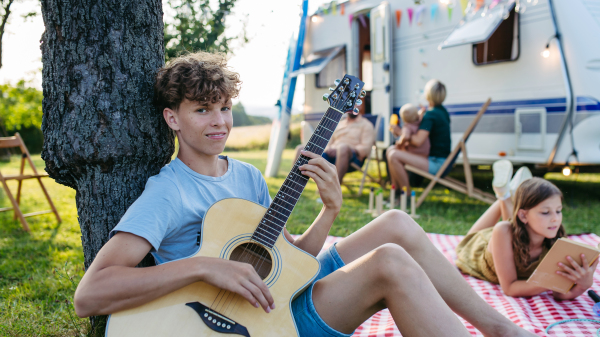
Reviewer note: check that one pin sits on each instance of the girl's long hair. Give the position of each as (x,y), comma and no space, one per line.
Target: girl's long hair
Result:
(530,194)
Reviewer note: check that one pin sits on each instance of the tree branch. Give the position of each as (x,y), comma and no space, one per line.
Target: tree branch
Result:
(4,20)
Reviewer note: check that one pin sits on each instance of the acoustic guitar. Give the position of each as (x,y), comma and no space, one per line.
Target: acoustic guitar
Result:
(241,230)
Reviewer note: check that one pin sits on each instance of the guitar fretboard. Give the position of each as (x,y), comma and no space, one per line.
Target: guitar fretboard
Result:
(279,211)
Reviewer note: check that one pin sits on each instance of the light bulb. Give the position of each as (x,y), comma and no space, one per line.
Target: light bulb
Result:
(314,18)
(546,53)
(566,171)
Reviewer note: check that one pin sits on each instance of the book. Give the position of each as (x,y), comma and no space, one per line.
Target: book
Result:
(545,274)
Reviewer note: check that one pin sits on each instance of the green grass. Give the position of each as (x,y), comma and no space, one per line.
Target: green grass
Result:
(39,270)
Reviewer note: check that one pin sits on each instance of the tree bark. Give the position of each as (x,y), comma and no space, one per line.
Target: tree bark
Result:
(102,135)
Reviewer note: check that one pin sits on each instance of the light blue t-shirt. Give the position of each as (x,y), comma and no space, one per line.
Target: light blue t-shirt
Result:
(170,211)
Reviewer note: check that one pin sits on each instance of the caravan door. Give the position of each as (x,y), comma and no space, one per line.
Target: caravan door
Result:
(381,56)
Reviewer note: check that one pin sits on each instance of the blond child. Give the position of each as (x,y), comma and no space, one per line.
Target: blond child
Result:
(411,120)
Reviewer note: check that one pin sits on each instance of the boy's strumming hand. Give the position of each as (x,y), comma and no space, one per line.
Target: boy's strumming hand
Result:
(325,175)
(239,278)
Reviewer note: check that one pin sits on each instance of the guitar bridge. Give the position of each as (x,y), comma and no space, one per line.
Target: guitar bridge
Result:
(217,321)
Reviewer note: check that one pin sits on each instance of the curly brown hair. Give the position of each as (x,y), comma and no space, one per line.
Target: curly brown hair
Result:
(202,77)
(530,194)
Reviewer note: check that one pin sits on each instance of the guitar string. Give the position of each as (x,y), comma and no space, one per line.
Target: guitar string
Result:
(336,121)
(256,244)
(247,253)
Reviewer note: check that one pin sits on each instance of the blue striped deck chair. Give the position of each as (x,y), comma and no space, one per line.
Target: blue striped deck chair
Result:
(441,176)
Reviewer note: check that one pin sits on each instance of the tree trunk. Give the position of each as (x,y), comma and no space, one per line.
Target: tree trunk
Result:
(102,135)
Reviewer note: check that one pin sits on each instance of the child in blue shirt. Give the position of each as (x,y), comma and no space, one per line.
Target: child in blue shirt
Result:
(389,263)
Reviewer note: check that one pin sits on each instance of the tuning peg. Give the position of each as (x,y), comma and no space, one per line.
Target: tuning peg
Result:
(349,103)
(355,111)
(331,89)
(362,94)
(335,96)
(346,81)
(358,102)
(325,97)
(352,94)
(337,82)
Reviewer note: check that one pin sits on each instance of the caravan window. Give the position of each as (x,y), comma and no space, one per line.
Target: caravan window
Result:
(502,46)
(336,68)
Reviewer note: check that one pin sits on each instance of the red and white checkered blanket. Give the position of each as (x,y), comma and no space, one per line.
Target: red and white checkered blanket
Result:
(533,313)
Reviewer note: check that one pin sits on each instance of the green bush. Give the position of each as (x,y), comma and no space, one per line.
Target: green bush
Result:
(240,118)
(21,111)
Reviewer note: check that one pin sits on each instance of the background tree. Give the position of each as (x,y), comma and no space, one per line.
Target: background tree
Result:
(198,25)
(102,135)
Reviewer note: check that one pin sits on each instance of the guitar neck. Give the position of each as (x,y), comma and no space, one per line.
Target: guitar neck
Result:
(283,204)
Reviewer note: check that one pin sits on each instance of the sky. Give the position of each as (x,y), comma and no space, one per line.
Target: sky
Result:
(260,62)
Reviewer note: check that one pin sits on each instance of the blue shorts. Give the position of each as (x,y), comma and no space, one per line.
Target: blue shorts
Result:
(435,163)
(308,321)
(354,159)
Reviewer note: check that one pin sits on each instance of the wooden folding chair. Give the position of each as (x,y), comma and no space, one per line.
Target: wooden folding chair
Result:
(440,177)
(373,156)
(17,141)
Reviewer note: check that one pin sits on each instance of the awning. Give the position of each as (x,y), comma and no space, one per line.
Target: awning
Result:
(317,61)
(478,27)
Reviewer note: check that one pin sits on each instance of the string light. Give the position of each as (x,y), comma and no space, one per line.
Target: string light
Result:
(566,171)
(546,52)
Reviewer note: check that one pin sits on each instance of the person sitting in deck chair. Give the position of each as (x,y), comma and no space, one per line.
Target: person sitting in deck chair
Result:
(435,126)
(351,142)
(389,263)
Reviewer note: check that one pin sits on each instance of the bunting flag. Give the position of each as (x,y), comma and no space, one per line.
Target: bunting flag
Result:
(463,5)
(479,4)
(350,19)
(450,8)
(419,14)
(434,8)
(398,17)
(363,22)
(333,8)
(494,3)
(410,15)
(342,9)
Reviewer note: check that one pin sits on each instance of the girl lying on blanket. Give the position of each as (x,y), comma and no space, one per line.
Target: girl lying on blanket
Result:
(508,252)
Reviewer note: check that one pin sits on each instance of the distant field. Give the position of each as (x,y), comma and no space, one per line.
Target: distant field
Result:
(255,137)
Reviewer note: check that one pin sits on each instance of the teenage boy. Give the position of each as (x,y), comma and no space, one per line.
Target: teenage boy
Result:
(388,263)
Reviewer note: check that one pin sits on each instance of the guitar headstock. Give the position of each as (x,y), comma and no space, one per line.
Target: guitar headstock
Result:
(346,95)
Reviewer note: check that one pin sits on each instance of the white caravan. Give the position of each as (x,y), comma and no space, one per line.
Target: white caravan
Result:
(539,63)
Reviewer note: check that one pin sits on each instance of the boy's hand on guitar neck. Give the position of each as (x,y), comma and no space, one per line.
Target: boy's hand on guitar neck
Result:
(325,175)
(239,278)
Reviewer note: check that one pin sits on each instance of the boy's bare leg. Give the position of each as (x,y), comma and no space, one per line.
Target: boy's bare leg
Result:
(385,277)
(399,228)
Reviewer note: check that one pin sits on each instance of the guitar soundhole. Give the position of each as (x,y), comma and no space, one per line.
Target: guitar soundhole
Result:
(254,254)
